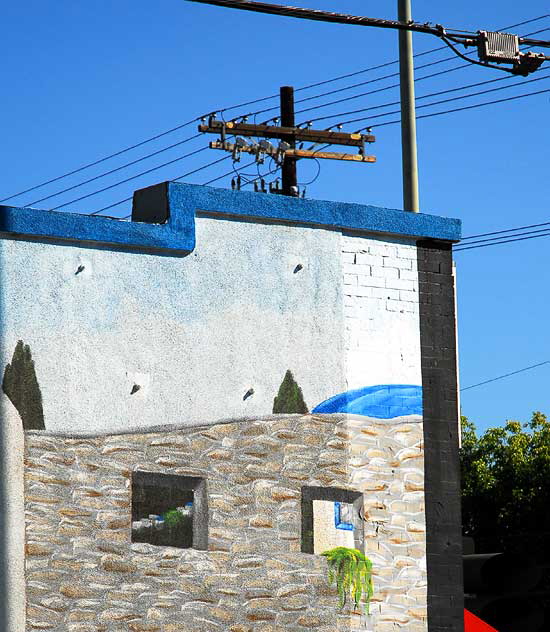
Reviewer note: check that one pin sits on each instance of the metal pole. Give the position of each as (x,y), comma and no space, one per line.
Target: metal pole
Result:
(408,113)
(288,170)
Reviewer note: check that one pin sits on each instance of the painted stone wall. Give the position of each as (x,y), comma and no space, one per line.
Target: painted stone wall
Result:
(83,574)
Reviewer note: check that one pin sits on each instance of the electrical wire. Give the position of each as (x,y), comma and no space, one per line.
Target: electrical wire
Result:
(210,164)
(385,88)
(440,102)
(499,243)
(178,127)
(142,173)
(425,96)
(468,107)
(100,160)
(108,173)
(508,230)
(501,377)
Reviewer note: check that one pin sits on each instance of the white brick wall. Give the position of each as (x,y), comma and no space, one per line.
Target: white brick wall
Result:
(382,329)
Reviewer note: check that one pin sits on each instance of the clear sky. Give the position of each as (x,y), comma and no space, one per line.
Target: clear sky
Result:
(83,80)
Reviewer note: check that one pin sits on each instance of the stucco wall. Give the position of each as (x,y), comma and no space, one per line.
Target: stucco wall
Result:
(83,573)
(121,340)
(194,333)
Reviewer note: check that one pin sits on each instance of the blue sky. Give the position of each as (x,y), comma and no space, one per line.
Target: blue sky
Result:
(83,80)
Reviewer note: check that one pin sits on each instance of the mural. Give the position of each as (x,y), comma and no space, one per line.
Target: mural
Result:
(20,384)
(289,399)
(182,480)
(384,401)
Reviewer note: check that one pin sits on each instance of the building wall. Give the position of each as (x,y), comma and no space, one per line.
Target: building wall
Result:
(114,329)
(84,574)
(194,333)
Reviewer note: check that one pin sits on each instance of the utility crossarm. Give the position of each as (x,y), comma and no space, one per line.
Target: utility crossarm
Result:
(275,152)
(298,134)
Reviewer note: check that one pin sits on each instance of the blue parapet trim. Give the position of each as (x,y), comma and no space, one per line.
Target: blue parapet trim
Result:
(177,235)
(332,215)
(383,401)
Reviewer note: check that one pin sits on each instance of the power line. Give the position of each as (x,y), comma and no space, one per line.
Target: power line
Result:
(142,173)
(178,127)
(425,96)
(108,173)
(505,241)
(501,377)
(427,52)
(210,164)
(100,160)
(390,87)
(468,107)
(517,234)
(427,105)
(508,230)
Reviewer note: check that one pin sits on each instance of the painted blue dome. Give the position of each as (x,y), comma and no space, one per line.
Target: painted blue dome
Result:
(383,401)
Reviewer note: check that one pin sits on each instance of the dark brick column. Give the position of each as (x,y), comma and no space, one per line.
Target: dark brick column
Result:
(442,471)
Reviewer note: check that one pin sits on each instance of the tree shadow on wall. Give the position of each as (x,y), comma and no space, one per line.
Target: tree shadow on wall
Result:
(21,386)
(289,398)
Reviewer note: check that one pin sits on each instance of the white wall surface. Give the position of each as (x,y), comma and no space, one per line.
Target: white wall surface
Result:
(195,333)
(381,316)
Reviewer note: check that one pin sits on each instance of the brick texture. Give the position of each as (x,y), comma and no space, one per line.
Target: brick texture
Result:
(442,471)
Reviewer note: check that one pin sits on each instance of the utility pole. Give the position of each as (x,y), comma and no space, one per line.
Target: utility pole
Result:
(284,153)
(408,111)
(288,168)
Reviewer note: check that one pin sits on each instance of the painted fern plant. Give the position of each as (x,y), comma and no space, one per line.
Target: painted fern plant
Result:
(351,571)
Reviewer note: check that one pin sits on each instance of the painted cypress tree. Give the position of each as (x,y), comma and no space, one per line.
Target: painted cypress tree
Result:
(289,398)
(21,386)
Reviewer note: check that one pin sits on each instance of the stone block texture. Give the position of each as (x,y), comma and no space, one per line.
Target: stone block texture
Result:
(83,573)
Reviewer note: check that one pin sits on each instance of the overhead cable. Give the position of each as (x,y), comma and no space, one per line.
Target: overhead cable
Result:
(501,377)
(189,173)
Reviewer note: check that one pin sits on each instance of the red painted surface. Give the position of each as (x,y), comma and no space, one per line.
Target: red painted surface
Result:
(475,624)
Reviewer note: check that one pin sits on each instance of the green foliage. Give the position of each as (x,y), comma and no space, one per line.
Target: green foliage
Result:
(505,491)
(21,386)
(172,518)
(289,398)
(351,571)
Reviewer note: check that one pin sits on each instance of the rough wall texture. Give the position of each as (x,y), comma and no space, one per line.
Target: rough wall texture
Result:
(381,335)
(84,575)
(440,405)
(194,333)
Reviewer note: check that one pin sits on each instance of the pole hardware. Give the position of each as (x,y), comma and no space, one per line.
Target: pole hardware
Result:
(285,153)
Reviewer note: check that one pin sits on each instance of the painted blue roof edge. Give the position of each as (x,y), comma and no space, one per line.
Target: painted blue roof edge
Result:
(335,215)
(177,235)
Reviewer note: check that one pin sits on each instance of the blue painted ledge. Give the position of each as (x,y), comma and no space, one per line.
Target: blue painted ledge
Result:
(176,236)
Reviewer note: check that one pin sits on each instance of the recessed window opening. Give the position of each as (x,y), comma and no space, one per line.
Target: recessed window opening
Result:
(331,517)
(169,510)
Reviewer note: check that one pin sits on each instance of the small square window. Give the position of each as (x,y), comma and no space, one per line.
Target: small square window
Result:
(169,510)
(331,517)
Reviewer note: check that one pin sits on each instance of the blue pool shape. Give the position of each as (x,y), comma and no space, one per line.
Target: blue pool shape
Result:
(383,401)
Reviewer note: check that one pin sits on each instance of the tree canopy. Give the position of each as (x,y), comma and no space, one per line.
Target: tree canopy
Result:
(506,485)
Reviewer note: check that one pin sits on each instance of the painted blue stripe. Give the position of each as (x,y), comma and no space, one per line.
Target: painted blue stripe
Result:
(383,401)
(335,215)
(177,235)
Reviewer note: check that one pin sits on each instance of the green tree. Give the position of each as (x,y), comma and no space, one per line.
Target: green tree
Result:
(505,485)
(20,384)
(289,398)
